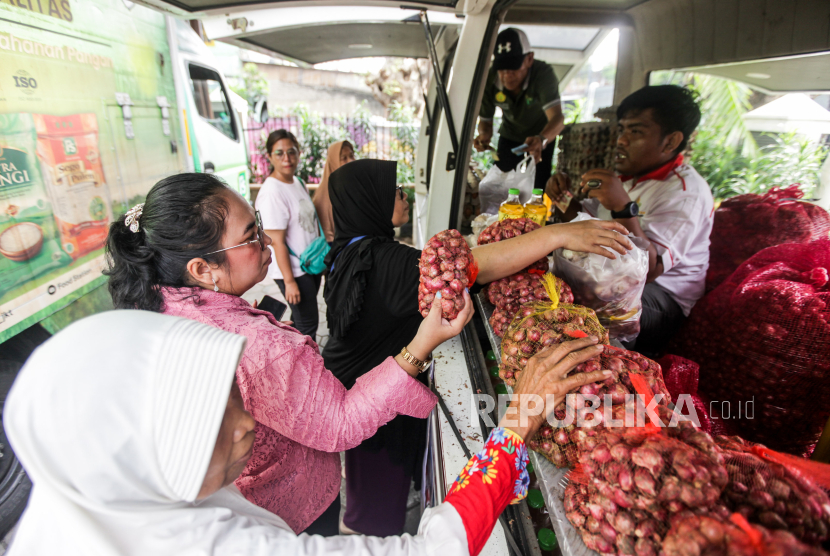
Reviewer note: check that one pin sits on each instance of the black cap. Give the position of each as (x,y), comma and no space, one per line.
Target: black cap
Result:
(511,48)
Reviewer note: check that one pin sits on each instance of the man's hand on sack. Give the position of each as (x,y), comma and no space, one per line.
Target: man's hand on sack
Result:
(534,147)
(610,194)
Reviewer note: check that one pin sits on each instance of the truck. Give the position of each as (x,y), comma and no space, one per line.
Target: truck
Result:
(776,45)
(99,99)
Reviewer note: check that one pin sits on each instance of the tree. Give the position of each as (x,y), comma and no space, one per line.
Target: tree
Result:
(252,86)
(401,80)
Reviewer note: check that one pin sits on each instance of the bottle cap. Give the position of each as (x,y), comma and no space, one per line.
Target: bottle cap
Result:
(512,191)
(537,191)
(547,539)
(494,371)
(530,468)
(501,389)
(535,498)
(490,355)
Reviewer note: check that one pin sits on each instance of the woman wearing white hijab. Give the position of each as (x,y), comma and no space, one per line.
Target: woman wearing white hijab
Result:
(132,430)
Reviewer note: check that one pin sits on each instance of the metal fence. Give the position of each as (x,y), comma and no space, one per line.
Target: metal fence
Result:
(371,138)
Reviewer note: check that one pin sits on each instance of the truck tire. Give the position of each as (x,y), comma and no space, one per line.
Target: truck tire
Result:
(15,485)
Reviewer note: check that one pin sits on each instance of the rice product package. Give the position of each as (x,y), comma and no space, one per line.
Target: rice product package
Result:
(29,245)
(67,147)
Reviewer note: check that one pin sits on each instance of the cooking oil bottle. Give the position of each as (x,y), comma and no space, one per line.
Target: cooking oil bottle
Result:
(512,207)
(535,208)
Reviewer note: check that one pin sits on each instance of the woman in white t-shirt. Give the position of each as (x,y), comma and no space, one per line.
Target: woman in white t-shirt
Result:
(289,218)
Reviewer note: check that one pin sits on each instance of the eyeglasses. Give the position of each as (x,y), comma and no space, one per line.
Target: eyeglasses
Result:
(292,152)
(260,238)
(401,192)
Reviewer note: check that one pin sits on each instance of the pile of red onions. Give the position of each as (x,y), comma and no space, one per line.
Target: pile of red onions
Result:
(762,339)
(509,228)
(510,293)
(709,536)
(562,445)
(771,494)
(748,223)
(538,325)
(639,480)
(444,267)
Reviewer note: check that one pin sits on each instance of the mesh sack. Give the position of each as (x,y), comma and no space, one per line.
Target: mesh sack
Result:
(762,340)
(611,287)
(713,536)
(681,377)
(510,293)
(509,228)
(639,480)
(778,491)
(447,265)
(561,445)
(746,224)
(541,324)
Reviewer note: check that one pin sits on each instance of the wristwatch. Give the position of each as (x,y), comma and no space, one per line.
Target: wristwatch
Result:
(543,139)
(414,361)
(630,211)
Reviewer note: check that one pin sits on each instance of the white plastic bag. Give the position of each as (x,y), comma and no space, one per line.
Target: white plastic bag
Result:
(493,188)
(482,221)
(611,287)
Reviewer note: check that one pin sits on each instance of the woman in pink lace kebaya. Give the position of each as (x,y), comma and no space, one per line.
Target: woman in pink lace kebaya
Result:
(191,250)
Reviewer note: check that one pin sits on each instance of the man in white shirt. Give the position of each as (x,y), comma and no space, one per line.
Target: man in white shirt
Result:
(658,197)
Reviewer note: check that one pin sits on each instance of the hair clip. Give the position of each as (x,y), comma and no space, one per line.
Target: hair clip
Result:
(132,217)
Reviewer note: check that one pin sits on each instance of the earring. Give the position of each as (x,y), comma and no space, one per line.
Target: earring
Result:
(215,287)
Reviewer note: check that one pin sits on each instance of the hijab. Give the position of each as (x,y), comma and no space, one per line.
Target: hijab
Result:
(115,419)
(363,202)
(322,202)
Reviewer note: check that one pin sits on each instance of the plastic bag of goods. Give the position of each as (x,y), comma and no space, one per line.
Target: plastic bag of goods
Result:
(447,265)
(628,490)
(578,424)
(482,221)
(510,293)
(611,287)
(748,223)
(510,228)
(776,490)
(493,188)
(762,339)
(702,535)
(541,324)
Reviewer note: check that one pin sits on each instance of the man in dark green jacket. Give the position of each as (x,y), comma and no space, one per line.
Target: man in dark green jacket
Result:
(527,92)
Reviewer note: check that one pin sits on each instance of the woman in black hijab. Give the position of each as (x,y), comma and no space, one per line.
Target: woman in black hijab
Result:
(372,297)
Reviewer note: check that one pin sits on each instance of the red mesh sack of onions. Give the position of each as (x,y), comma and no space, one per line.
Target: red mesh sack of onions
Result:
(447,265)
(510,293)
(762,340)
(748,223)
(641,478)
(776,490)
(509,228)
(541,324)
(561,445)
(712,536)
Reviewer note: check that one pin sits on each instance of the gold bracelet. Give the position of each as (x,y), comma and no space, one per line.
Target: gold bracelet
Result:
(414,361)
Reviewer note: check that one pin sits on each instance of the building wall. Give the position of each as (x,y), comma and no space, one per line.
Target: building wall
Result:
(327,92)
